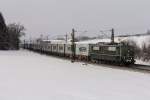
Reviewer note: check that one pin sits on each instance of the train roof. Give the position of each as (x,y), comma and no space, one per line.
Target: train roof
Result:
(96,41)
(54,41)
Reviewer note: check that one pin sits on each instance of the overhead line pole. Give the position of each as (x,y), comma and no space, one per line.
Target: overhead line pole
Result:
(112,36)
(66,38)
(73,45)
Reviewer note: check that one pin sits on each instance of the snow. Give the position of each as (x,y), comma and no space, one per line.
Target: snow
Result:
(139,40)
(139,61)
(26,75)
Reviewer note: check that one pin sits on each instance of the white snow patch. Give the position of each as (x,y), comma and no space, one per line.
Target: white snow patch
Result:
(139,61)
(26,75)
(139,40)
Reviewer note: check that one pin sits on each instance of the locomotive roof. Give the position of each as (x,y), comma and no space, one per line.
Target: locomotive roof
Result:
(54,41)
(96,41)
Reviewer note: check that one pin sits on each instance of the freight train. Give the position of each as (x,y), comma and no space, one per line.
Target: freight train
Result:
(107,52)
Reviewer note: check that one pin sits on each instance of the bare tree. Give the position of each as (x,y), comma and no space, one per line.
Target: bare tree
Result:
(137,49)
(3,34)
(15,31)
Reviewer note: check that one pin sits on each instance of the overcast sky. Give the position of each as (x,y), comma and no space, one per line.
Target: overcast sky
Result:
(60,16)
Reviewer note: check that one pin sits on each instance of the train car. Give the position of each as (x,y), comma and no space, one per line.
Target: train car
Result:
(82,51)
(61,49)
(42,46)
(68,50)
(119,53)
(35,46)
(47,48)
(27,44)
(55,46)
(38,47)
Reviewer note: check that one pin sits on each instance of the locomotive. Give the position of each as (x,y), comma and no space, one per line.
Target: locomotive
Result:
(108,52)
(119,53)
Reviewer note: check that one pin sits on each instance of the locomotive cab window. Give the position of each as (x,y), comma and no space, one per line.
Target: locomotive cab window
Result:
(95,48)
(112,49)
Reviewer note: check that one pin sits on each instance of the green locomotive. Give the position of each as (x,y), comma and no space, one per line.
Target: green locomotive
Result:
(120,53)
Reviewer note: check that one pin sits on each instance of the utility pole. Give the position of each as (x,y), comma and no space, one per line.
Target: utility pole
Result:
(73,45)
(66,36)
(24,41)
(112,36)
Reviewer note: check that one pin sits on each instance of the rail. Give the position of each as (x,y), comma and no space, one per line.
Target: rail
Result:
(141,67)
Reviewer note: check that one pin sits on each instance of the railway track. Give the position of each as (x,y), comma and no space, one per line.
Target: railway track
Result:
(141,67)
(135,67)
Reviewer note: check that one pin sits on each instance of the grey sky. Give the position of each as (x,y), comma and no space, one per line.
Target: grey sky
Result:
(60,16)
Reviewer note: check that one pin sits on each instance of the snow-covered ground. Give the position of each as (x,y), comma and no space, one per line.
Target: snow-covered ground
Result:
(26,75)
(139,61)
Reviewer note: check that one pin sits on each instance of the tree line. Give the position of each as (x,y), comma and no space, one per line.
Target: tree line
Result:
(143,52)
(10,34)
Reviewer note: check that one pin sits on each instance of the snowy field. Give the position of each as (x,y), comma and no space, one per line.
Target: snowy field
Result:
(26,75)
